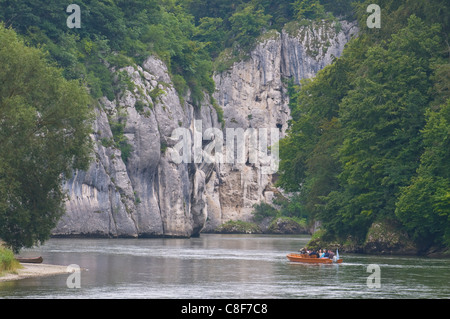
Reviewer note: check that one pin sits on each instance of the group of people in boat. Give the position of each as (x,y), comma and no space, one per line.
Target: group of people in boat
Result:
(322,253)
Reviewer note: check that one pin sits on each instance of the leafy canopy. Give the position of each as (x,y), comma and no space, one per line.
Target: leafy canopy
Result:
(369,136)
(44,135)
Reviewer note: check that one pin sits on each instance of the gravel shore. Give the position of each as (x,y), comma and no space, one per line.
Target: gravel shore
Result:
(35,270)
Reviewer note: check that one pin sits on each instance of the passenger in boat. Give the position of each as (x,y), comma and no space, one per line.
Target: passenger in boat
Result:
(313,253)
(330,254)
(322,253)
(326,253)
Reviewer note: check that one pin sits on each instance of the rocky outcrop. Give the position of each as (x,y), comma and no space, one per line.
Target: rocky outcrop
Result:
(135,188)
(385,237)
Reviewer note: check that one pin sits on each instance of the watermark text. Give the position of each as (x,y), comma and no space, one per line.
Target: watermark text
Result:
(237,146)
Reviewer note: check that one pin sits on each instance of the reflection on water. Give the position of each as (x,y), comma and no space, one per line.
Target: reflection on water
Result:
(223,266)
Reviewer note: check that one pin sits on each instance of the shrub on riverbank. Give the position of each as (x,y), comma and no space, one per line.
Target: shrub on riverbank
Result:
(385,237)
(7,261)
(238,227)
(277,225)
(287,225)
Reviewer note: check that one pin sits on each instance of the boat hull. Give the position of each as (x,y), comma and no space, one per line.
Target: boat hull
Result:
(309,260)
(32,260)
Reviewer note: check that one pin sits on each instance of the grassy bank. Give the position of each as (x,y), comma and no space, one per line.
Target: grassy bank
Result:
(7,261)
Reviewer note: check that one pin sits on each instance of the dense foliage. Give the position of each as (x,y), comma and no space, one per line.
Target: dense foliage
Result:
(186,34)
(44,134)
(114,34)
(370,137)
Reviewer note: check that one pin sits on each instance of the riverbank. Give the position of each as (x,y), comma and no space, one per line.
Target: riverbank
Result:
(34,270)
(383,238)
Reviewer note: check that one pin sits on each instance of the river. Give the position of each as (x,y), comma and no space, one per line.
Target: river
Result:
(224,266)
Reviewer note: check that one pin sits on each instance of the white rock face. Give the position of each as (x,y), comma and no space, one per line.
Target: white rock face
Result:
(151,195)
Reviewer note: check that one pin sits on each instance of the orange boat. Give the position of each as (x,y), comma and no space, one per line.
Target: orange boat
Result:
(311,260)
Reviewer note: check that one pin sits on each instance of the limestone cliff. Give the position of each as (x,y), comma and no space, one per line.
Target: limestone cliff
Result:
(253,94)
(135,188)
(145,193)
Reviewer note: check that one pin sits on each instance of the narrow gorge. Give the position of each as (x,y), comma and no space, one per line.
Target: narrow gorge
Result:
(133,188)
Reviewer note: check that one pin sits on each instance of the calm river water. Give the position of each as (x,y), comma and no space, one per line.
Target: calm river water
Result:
(223,266)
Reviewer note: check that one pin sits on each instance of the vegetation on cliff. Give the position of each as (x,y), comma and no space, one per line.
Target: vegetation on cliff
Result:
(186,34)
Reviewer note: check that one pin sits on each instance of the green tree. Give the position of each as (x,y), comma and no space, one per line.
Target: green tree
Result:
(214,9)
(247,24)
(381,120)
(211,32)
(424,205)
(308,162)
(314,108)
(395,15)
(357,134)
(340,8)
(280,10)
(44,135)
(308,9)
(130,30)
